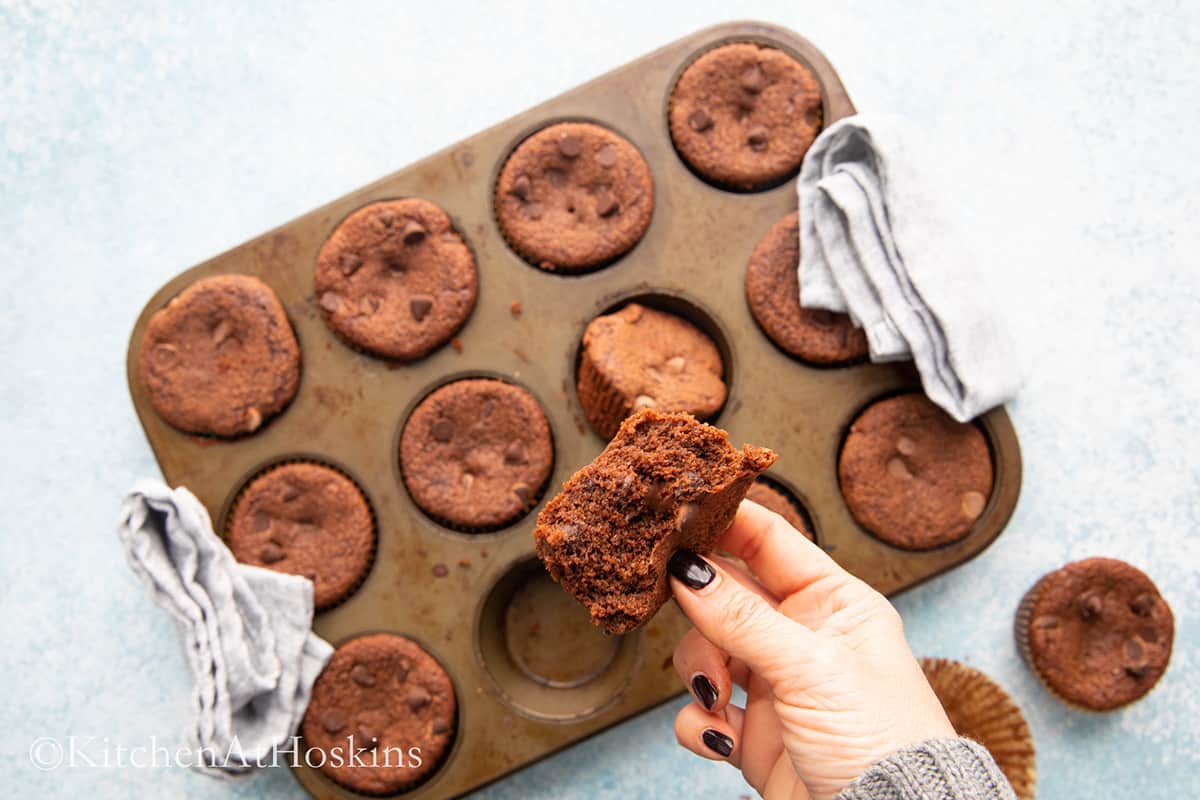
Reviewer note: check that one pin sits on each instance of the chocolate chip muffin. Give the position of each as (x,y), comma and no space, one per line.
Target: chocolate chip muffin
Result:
(306,519)
(221,358)
(773,293)
(743,115)
(574,196)
(772,498)
(381,697)
(1097,632)
(640,357)
(913,476)
(476,454)
(395,279)
(665,482)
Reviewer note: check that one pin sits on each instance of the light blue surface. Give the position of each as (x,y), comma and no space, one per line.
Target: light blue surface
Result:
(137,142)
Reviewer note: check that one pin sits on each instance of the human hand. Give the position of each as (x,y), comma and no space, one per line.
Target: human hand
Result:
(831,684)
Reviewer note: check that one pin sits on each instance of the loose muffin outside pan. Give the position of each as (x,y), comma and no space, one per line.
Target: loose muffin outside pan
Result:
(449,590)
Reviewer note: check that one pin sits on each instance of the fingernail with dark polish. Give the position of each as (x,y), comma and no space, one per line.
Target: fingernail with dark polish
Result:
(718,742)
(691,569)
(705,692)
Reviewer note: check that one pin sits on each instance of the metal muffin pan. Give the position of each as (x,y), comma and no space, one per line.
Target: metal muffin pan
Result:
(450,590)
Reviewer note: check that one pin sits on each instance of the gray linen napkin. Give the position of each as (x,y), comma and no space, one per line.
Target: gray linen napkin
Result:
(874,243)
(246,631)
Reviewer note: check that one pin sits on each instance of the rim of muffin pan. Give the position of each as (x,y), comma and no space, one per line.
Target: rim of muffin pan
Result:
(519,139)
(455,739)
(313,301)
(670,301)
(512,684)
(716,44)
(988,507)
(446,528)
(242,484)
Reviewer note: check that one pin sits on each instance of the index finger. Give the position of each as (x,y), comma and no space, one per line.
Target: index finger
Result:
(781,557)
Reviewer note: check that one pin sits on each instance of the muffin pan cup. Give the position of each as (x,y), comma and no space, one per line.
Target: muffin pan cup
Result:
(438,586)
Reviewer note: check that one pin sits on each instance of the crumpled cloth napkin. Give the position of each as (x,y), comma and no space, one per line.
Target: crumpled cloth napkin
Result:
(246,632)
(875,243)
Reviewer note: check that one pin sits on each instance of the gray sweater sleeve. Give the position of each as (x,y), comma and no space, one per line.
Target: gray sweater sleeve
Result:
(938,769)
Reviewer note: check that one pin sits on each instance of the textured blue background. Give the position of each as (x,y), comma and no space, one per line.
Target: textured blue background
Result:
(137,141)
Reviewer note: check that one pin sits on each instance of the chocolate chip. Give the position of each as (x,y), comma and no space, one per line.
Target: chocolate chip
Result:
(521,186)
(222,331)
(350,264)
(753,80)
(261,520)
(1143,604)
(468,480)
(606,156)
(1045,623)
(756,137)
(898,469)
(906,446)
(685,517)
(1090,605)
(699,120)
(417,698)
(387,217)
(693,478)
(676,364)
(164,354)
(654,499)
(366,736)
(443,430)
(644,401)
(569,146)
(1135,670)
(606,204)
(440,726)
(362,676)
(253,419)
(1148,633)
(972,504)
(403,668)
(1133,649)
(515,454)
(557,177)
(440,570)
(413,232)
(523,491)
(271,553)
(330,302)
(420,305)
(333,720)
(534,210)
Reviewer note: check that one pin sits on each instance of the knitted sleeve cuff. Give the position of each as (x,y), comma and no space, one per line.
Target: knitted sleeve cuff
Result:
(937,769)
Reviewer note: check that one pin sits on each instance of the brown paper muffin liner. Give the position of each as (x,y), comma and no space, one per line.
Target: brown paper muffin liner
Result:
(350,592)
(980,710)
(604,407)
(760,187)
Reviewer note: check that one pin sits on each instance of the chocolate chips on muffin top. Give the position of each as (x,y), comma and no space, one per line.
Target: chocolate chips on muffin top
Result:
(743,115)
(640,357)
(378,697)
(913,476)
(395,279)
(476,453)
(305,519)
(665,482)
(1097,632)
(574,196)
(221,358)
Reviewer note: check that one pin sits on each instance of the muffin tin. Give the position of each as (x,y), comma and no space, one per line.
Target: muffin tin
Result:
(452,591)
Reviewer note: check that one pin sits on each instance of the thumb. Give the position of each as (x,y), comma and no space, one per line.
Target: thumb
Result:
(740,621)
